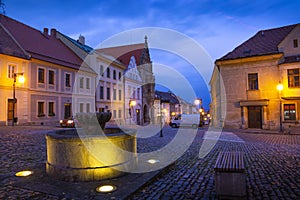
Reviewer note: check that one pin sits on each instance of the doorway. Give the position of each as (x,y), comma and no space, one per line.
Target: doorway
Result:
(68,112)
(138,118)
(10,109)
(254,117)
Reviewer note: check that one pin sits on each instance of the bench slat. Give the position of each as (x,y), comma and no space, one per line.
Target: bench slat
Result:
(230,162)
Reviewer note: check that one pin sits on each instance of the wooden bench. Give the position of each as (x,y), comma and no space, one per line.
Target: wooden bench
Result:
(230,176)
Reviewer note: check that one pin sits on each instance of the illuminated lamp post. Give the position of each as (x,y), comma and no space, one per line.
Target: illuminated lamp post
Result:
(198,103)
(280,88)
(21,79)
(161,132)
(131,104)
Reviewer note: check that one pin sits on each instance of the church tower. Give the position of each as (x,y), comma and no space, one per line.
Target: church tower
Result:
(146,72)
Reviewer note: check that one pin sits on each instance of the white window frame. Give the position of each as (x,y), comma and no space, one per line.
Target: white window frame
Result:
(11,72)
(45,72)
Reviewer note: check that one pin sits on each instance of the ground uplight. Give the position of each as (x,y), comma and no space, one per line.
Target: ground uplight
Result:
(24,173)
(106,188)
(152,161)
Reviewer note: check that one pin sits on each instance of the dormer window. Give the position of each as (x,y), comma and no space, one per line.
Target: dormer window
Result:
(295,43)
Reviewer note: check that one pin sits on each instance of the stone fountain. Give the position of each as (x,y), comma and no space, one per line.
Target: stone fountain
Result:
(91,152)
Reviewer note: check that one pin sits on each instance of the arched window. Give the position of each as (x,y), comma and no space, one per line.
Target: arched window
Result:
(108,73)
(114,75)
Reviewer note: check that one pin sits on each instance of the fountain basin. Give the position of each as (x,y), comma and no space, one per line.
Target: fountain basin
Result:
(72,156)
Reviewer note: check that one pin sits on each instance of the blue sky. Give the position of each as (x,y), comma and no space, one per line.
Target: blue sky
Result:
(218,26)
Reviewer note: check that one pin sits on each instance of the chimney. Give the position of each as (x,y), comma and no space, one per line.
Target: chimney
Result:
(53,32)
(81,40)
(46,31)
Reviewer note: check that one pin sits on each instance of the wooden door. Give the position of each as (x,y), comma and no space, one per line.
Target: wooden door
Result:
(254,117)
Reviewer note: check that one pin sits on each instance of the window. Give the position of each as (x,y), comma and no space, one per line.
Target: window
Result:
(294,77)
(108,73)
(11,70)
(120,95)
(101,70)
(114,75)
(120,113)
(295,42)
(51,109)
(101,92)
(41,109)
(87,107)
(129,91)
(108,93)
(120,75)
(138,93)
(51,77)
(289,112)
(101,109)
(253,81)
(41,75)
(114,94)
(68,80)
(133,93)
(81,80)
(114,114)
(81,107)
(87,83)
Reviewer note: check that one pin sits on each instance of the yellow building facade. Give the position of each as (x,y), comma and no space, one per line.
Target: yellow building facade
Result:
(244,82)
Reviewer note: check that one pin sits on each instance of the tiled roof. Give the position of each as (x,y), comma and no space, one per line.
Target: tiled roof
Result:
(166,96)
(9,46)
(263,42)
(39,45)
(124,53)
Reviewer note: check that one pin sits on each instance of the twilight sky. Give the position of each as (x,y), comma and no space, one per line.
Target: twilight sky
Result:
(217,26)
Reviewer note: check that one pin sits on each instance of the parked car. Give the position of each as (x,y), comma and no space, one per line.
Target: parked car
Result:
(192,120)
(70,122)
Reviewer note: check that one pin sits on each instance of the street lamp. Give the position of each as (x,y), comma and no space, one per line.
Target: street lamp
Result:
(21,79)
(131,104)
(280,88)
(198,102)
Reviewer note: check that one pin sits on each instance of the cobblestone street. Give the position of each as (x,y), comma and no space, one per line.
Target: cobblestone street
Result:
(272,165)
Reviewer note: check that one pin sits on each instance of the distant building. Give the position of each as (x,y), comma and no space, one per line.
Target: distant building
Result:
(141,54)
(167,105)
(109,94)
(50,69)
(133,94)
(244,82)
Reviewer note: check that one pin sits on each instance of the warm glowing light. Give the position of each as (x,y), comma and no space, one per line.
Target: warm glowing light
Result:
(106,188)
(164,110)
(24,173)
(132,103)
(279,87)
(208,115)
(21,79)
(173,113)
(203,113)
(197,102)
(200,110)
(152,161)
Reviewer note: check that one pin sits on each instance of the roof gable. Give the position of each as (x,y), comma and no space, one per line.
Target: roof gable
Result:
(263,42)
(124,53)
(40,45)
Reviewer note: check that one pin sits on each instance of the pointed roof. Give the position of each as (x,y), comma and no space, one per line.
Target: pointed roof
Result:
(40,45)
(9,46)
(264,42)
(123,53)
